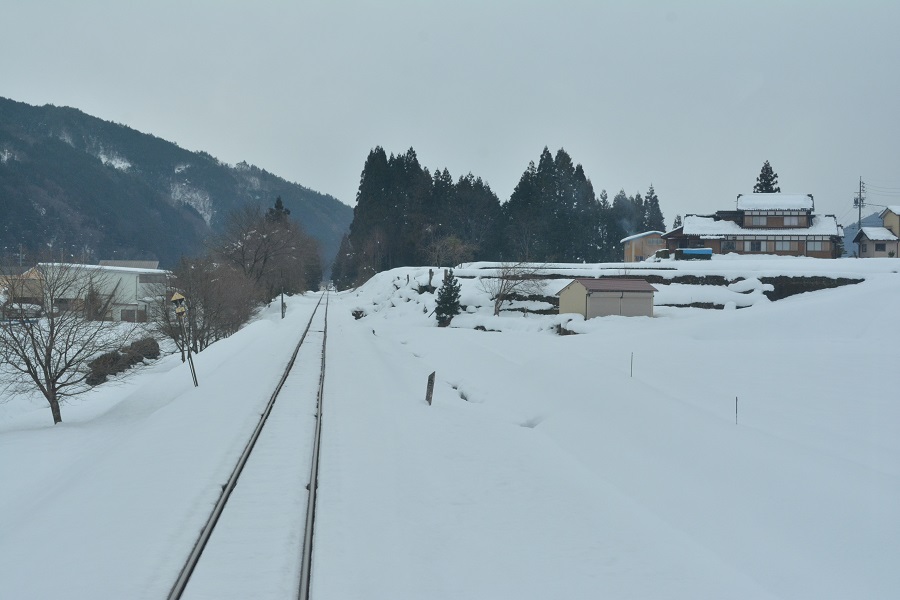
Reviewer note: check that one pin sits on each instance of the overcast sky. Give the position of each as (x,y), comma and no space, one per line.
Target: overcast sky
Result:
(689,96)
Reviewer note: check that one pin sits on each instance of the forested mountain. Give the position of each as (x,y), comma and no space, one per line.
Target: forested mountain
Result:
(406,216)
(93,189)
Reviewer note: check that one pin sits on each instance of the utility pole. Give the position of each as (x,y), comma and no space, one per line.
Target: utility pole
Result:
(859,202)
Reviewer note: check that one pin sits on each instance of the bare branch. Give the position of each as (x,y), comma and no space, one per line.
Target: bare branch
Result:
(51,329)
(512,279)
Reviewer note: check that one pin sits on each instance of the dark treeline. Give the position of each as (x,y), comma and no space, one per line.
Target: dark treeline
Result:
(406,216)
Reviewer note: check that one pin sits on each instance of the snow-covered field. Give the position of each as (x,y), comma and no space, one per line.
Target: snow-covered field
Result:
(548,466)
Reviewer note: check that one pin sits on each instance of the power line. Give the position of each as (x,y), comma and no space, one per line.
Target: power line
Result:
(885,194)
(884,186)
(844,216)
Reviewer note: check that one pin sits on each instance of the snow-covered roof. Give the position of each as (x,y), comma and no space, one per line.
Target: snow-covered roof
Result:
(639,235)
(709,228)
(894,209)
(105,268)
(877,234)
(775,202)
(131,264)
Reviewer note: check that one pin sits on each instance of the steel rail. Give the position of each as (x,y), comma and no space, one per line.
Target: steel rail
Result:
(190,564)
(309,531)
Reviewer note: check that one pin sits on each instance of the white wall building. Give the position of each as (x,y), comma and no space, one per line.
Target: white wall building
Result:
(134,289)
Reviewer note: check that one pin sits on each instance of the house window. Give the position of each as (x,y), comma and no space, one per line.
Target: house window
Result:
(757,221)
(784,246)
(792,221)
(879,248)
(728,246)
(819,246)
(152,278)
(753,246)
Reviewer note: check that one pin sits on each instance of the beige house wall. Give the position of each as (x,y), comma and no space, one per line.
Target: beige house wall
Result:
(867,249)
(641,248)
(892,222)
(572,299)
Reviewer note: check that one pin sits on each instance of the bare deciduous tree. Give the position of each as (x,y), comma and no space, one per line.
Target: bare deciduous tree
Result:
(56,319)
(510,280)
(270,250)
(219,298)
(449,251)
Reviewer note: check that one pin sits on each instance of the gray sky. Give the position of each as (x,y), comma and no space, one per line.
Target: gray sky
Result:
(689,96)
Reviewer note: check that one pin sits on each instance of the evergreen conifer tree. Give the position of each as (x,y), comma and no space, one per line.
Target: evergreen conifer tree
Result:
(553,213)
(621,222)
(447,300)
(767,182)
(606,245)
(677,222)
(639,218)
(278,213)
(653,214)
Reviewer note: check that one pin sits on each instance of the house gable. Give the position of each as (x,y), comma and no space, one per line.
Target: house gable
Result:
(877,242)
(642,245)
(890,218)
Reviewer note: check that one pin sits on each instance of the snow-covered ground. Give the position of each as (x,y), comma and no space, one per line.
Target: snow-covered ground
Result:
(606,464)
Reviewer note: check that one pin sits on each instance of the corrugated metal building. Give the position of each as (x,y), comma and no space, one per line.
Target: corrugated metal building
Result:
(606,296)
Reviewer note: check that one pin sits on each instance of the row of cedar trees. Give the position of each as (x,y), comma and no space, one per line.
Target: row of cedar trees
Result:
(407,216)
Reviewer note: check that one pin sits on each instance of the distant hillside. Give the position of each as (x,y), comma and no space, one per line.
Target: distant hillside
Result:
(95,189)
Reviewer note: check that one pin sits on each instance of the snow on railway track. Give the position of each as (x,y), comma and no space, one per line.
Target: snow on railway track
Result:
(255,542)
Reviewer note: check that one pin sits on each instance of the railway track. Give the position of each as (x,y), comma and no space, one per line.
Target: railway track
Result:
(257,540)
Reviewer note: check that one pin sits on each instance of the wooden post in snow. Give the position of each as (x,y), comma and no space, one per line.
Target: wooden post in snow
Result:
(430,390)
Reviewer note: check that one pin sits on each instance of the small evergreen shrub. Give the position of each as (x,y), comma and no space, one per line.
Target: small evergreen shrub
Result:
(105,365)
(447,300)
(116,361)
(147,348)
